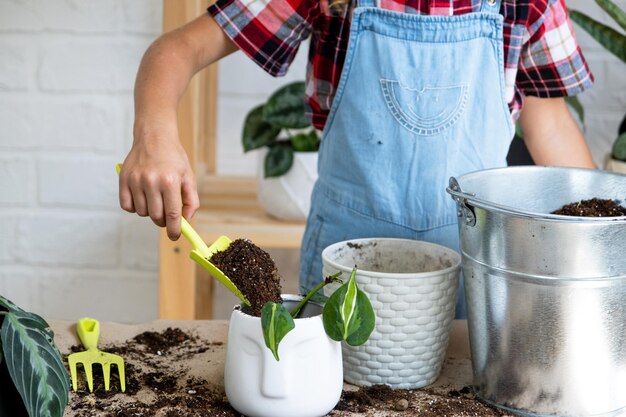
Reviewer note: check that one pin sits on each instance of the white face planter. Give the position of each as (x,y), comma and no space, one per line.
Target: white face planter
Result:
(306,382)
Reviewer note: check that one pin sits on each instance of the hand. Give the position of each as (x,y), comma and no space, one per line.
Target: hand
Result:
(156,180)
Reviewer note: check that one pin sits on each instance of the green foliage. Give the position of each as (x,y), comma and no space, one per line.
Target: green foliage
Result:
(619,148)
(276,322)
(33,362)
(613,41)
(280,114)
(348,314)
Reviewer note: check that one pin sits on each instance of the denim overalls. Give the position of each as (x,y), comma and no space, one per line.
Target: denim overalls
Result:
(421,98)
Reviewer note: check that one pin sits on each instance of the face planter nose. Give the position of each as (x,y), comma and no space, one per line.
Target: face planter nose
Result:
(274,377)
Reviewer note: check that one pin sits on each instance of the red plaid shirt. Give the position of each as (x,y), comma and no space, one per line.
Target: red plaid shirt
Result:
(542,57)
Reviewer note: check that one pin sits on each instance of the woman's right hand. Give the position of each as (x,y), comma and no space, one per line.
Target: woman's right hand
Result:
(156,179)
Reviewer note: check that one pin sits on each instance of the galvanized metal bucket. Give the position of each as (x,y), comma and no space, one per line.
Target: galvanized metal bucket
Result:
(546,294)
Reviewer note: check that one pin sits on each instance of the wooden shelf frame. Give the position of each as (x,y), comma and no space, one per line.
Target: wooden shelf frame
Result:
(228,205)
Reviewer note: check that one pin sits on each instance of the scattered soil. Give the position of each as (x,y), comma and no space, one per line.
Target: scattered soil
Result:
(155,385)
(252,270)
(422,402)
(592,208)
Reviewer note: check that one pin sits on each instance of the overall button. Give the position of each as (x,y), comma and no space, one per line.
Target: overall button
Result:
(491,2)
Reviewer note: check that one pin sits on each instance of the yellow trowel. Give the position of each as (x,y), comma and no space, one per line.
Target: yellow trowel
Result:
(201,253)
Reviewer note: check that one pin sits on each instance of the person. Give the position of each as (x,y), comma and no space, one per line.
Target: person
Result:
(408,93)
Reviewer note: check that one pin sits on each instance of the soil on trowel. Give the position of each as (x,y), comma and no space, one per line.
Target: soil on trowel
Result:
(594,207)
(252,270)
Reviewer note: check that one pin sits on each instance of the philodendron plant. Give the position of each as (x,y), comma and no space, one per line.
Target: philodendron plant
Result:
(347,315)
(30,365)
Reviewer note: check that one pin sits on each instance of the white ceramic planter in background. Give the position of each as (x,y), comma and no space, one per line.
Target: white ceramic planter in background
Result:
(288,197)
(412,286)
(306,382)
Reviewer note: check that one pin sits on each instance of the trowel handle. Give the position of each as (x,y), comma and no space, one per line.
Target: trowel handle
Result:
(88,330)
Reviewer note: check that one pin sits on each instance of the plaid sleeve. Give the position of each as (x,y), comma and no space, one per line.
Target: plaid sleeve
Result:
(268,31)
(551,63)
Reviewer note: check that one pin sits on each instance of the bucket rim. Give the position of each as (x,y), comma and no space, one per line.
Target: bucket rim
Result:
(469,197)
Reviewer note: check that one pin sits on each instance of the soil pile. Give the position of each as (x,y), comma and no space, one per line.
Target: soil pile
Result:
(252,270)
(592,208)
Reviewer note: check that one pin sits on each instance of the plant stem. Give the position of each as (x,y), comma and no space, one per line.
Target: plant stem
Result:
(327,280)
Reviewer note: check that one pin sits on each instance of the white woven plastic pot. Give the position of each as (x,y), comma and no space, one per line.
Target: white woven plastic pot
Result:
(412,286)
(306,382)
(288,197)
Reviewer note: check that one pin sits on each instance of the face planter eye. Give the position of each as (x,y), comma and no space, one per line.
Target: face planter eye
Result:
(251,347)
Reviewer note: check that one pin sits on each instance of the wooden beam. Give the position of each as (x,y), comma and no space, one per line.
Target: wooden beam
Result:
(178,275)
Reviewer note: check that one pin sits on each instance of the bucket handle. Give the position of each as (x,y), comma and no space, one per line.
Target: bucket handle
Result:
(465,210)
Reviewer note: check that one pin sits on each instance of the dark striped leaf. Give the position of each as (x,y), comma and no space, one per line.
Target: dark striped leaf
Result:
(612,40)
(35,364)
(285,108)
(305,142)
(278,160)
(257,132)
(614,11)
(619,148)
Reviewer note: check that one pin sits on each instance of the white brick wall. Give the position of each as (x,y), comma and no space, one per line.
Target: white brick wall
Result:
(67,70)
(66,77)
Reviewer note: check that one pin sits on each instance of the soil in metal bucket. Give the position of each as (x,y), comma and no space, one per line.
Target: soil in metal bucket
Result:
(594,207)
(252,270)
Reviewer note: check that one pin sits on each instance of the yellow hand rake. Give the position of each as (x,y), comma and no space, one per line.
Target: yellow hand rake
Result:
(88,330)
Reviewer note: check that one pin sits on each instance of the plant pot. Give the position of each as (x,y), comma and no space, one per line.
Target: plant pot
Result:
(614,165)
(288,197)
(412,286)
(306,382)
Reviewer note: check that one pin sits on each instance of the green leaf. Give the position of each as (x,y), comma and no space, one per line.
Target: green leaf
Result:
(276,322)
(619,148)
(614,11)
(285,108)
(278,160)
(348,315)
(612,40)
(257,132)
(8,305)
(35,364)
(576,105)
(305,142)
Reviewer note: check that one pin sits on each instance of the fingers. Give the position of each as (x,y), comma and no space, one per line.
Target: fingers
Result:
(172,209)
(190,199)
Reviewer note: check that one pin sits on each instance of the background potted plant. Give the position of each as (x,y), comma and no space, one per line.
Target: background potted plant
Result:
(614,42)
(288,146)
(31,367)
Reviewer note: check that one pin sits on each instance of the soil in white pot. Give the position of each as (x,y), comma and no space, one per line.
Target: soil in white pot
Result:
(253,271)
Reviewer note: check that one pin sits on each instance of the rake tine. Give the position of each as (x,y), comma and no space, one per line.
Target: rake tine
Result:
(120,370)
(89,373)
(106,371)
(72,363)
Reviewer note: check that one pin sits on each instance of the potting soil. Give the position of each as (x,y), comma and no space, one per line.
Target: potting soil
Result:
(594,207)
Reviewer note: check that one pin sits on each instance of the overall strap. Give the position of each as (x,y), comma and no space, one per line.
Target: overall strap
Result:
(366,3)
(492,6)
